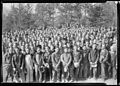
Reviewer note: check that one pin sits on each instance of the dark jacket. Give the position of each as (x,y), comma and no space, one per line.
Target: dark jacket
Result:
(16,60)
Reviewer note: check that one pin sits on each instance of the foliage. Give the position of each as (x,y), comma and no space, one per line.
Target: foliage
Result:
(19,17)
(60,14)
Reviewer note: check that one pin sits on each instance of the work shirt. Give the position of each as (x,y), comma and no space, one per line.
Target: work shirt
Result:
(77,56)
(66,57)
(55,58)
(93,55)
(104,54)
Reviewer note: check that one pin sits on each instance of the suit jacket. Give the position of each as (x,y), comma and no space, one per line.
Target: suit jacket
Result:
(85,54)
(23,61)
(16,60)
(38,61)
(104,55)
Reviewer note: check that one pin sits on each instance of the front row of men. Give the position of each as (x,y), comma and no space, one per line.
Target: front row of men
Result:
(60,64)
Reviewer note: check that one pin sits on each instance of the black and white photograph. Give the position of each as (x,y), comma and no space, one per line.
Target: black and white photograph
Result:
(59,43)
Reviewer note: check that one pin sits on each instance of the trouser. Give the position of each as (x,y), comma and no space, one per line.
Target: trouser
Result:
(38,74)
(93,70)
(98,69)
(76,74)
(29,76)
(56,74)
(50,71)
(114,72)
(71,71)
(22,75)
(47,74)
(103,70)
(66,75)
(9,72)
(85,70)
(61,71)
(18,71)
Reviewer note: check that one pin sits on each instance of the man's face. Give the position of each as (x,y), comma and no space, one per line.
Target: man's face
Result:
(22,48)
(94,46)
(75,48)
(56,50)
(103,46)
(59,44)
(65,50)
(16,50)
(46,48)
(38,50)
(10,50)
(27,50)
(87,43)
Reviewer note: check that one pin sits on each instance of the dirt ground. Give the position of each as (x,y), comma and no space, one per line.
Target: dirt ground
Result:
(108,81)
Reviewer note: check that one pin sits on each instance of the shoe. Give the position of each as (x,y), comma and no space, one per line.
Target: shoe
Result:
(44,81)
(63,81)
(66,81)
(58,81)
(75,81)
(71,81)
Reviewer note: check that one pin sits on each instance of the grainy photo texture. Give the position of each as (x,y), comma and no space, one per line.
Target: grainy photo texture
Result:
(59,42)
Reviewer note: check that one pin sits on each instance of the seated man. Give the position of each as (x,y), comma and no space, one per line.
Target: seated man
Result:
(66,60)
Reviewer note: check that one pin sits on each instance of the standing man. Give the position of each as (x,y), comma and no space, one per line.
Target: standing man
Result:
(8,60)
(29,65)
(66,60)
(103,60)
(23,67)
(56,64)
(46,62)
(77,57)
(93,59)
(113,61)
(16,63)
(38,62)
(84,73)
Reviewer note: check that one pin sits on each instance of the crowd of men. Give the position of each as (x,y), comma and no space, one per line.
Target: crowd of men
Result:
(60,55)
